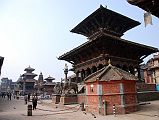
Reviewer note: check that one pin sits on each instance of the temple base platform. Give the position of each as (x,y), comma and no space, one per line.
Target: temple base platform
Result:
(68,99)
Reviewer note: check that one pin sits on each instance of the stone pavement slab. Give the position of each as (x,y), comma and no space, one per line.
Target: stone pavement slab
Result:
(47,111)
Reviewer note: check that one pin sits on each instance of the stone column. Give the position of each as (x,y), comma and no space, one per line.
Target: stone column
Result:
(99,93)
(122,96)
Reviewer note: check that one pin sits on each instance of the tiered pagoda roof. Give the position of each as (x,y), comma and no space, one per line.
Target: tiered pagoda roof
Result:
(29,69)
(104,20)
(28,76)
(151,6)
(49,81)
(109,40)
(104,29)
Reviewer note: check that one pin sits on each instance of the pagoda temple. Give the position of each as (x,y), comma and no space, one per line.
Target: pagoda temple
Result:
(27,81)
(104,29)
(48,86)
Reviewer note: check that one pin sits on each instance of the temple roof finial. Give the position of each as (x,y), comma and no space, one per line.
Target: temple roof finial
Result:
(109,62)
(101,6)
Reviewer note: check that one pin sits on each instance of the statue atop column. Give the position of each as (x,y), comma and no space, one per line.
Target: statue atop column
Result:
(69,87)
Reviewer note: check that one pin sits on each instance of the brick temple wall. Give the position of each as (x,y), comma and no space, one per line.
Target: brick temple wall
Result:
(92,104)
(115,92)
(81,98)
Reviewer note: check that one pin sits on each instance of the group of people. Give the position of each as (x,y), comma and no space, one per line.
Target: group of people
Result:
(9,95)
(34,100)
(3,94)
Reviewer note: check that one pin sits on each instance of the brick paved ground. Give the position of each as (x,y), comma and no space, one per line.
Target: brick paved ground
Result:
(16,110)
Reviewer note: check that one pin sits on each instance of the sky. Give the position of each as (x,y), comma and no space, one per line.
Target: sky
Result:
(37,32)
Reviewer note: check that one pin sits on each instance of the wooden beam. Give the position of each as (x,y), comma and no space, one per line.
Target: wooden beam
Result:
(96,21)
(135,2)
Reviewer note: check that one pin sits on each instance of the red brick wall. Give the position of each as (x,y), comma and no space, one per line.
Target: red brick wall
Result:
(112,99)
(111,91)
(92,100)
(130,99)
(130,109)
(129,86)
(92,103)
(81,98)
(90,92)
(130,92)
(111,94)
(68,99)
(109,87)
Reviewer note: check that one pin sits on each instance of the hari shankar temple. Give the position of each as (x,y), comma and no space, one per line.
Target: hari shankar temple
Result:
(104,29)
(109,66)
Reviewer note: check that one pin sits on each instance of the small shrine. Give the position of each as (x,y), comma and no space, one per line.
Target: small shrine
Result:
(48,86)
(111,87)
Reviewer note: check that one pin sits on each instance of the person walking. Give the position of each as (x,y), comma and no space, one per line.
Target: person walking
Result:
(36,99)
(34,102)
(25,99)
(10,96)
(28,97)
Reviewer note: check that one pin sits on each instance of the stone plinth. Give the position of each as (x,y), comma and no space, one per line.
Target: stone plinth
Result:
(68,99)
(56,99)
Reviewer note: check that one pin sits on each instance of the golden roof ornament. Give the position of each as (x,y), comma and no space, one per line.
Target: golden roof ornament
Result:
(109,62)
